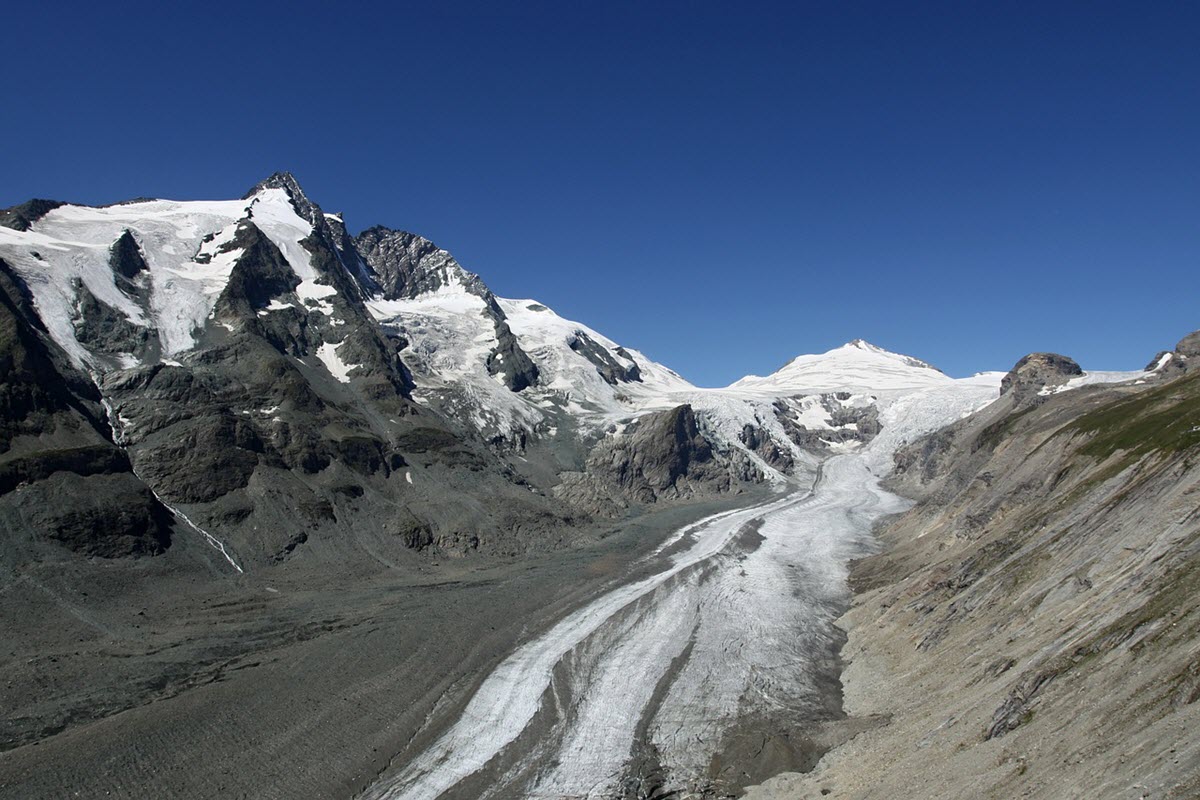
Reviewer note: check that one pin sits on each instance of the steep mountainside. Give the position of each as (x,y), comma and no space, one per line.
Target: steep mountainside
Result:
(234,351)
(60,472)
(1030,628)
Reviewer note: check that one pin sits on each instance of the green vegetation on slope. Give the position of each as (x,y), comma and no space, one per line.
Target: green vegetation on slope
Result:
(1164,420)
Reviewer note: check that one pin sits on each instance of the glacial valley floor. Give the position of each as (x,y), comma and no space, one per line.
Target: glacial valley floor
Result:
(155,680)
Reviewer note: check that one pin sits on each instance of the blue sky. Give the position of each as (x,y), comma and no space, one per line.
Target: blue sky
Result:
(723,186)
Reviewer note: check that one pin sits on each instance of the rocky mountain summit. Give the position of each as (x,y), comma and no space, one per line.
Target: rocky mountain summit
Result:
(1037,372)
(1185,356)
(233,363)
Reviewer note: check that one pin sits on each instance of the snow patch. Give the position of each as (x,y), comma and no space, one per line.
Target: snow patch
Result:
(339,369)
(1094,377)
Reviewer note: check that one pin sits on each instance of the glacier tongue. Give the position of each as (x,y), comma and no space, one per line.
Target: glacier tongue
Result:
(735,624)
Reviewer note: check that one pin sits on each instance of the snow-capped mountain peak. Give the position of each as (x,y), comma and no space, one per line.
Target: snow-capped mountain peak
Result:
(74,254)
(865,346)
(287,183)
(856,365)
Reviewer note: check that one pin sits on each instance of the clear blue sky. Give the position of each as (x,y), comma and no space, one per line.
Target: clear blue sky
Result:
(721,185)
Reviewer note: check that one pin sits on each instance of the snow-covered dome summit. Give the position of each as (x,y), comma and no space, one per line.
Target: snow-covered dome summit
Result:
(855,366)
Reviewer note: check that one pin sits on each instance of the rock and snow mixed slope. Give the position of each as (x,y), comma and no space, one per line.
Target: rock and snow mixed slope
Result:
(243,375)
(187,253)
(243,327)
(146,296)
(591,386)
(142,283)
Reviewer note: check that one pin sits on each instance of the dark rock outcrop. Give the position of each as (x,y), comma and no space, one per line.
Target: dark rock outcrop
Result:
(104,515)
(662,456)
(508,360)
(126,259)
(60,472)
(103,329)
(1035,372)
(759,440)
(404,266)
(662,450)
(1185,357)
(260,274)
(1189,346)
(611,370)
(22,217)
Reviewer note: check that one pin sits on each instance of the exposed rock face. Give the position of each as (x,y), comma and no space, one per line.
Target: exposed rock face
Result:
(1185,357)
(103,329)
(759,440)
(245,430)
(129,266)
(1030,629)
(659,457)
(103,515)
(1035,372)
(611,370)
(405,266)
(1189,346)
(260,274)
(662,450)
(507,359)
(21,217)
(62,480)
(126,258)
